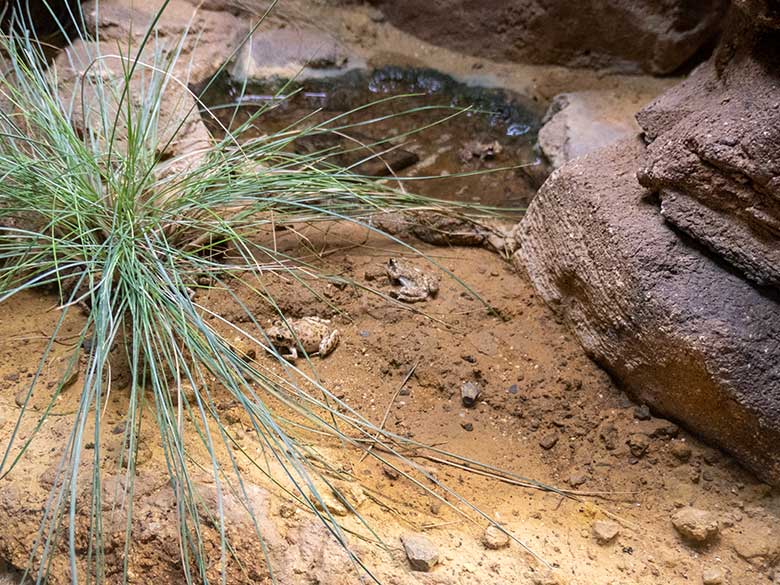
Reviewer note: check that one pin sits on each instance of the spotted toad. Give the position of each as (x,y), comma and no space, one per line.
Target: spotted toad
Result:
(416,285)
(314,335)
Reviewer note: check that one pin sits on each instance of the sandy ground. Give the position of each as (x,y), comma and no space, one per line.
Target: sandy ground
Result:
(546,412)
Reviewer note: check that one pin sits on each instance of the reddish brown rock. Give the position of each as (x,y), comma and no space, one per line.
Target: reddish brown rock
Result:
(684,334)
(714,158)
(630,36)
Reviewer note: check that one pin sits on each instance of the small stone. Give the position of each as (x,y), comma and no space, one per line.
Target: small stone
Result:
(421,552)
(349,493)
(375,14)
(695,525)
(391,472)
(712,576)
(467,426)
(638,444)
(469,392)
(21,396)
(577,478)
(605,531)
(549,441)
(681,450)
(494,538)
(65,374)
(642,412)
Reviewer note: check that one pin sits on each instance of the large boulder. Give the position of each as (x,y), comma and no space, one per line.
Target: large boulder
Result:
(683,332)
(714,154)
(656,37)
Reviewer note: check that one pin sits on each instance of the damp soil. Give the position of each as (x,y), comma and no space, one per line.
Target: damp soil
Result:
(546,412)
(469,143)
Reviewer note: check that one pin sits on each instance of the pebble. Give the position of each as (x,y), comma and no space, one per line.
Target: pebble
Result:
(577,478)
(642,412)
(467,426)
(469,392)
(695,525)
(712,576)
(421,552)
(605,531)
(391,472)
(681,450)
(546,577)
(548,441)
(494,538)
(638,444)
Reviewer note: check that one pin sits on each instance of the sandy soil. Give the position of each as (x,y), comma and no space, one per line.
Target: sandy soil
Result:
(546,412)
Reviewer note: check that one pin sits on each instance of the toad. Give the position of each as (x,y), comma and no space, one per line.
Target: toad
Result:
(315,335)
(416,285)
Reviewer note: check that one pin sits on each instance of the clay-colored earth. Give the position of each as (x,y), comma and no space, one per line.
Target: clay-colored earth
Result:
(546,412)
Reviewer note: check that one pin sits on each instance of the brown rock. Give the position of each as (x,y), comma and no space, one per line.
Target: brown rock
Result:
(696,526)
(713,160)
(712,576)
(638,444)
(287,53)
(548,441)
(181,129)
(662,36)
(581,122)
(684,335)
(421,552)
(605,531)
(494,538)
(212,33)
(681,450)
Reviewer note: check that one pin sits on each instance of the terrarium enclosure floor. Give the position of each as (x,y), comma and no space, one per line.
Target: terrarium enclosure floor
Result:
(546,412)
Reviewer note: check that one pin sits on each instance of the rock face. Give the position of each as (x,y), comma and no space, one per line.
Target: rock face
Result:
(289,54)
(585,121)
(205,39)
(684,333)
(212,36)
(656,37)
(714,156)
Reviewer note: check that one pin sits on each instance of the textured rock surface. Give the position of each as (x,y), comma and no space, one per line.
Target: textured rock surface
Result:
(421,552)
(684,334)
(695,525)
(631,36)
(289,53)
(181,130)
(206,40)
(581,122)
(212,36)
(605,531)
(714,156)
